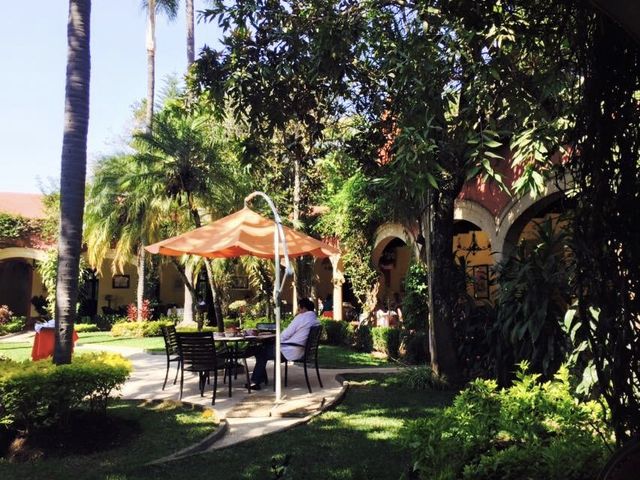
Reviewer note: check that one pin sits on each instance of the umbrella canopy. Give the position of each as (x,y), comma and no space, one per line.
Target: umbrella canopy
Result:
(242,233)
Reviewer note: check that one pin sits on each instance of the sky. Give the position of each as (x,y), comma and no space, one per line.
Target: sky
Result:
(33,56)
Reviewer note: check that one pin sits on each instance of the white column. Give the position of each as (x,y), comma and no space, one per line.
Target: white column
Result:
(338,281)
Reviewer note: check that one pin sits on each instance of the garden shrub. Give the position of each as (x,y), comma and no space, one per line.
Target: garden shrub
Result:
(336,332)
(386,340)
(15,325)
(362,339)
(140,329)
(35,394)
(85,327)
(414,347)
(530,430)
(422,378)
(415,304)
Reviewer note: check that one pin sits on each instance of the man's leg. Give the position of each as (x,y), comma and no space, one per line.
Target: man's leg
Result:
(263,355)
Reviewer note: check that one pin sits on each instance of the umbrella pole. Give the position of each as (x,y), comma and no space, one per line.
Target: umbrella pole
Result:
(278,236)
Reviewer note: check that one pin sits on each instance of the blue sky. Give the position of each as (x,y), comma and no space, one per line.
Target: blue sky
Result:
(33,58)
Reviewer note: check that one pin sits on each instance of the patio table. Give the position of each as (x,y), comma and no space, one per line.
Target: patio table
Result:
(233,345)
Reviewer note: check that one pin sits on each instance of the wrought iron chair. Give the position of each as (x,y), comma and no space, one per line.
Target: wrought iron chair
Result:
(198,353)
(171,350)
(310,355)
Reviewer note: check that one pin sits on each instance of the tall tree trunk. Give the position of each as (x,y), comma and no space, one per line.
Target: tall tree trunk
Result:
(190,301)
(140,285)
(72,175)
(442,273)
(190,33)
(151,62)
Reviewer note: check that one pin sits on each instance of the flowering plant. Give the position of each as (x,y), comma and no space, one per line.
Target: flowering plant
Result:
(5,314)
(132,311)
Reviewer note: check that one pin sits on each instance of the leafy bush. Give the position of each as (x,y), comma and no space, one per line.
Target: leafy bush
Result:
(140,329)
(85,327)
(422,378)
(386,340)
(336,332)
(15,325)
(363,340)
(414,347)
(533,299)
(415,304)
(34,394)
(530,430)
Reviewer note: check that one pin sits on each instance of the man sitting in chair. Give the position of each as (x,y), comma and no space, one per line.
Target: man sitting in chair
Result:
(296,332)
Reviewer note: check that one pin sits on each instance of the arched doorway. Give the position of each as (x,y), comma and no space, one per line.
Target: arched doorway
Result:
(16,278)
(473,251)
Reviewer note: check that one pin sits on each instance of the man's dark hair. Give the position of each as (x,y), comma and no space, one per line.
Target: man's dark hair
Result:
(306,304)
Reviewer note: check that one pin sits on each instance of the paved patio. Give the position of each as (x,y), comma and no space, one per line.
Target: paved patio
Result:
(246,415)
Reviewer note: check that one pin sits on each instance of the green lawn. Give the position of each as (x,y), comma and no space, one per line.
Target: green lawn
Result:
(166,428)
(357,440)
(329,356)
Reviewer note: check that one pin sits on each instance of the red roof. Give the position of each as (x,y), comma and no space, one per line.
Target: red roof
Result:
(28,205)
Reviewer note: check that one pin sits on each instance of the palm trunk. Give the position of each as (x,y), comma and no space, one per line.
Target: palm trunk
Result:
(190,33)
(151,62)
(189,306)
(73,174)
(140,286)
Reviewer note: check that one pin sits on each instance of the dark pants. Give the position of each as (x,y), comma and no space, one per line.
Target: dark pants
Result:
(263,353)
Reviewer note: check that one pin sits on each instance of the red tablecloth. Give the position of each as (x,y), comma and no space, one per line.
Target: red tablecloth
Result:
(44,342)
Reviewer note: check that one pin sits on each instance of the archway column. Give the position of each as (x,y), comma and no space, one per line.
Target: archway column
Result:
(337,280)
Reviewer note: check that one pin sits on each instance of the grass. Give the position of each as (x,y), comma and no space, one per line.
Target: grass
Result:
(166,427)
(329,356)
(358,440)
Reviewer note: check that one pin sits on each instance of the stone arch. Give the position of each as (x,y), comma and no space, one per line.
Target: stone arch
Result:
(478,215)
(519,212)
(18,252)
(388,231)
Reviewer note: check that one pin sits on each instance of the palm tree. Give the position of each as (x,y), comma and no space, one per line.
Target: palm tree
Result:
(170,8)
(190,33)
(72,175)
(123,210)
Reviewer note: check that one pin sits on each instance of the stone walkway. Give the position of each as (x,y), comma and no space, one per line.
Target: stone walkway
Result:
(245,415)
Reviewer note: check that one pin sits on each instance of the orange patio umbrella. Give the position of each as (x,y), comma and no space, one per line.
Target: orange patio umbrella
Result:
(248,233)
(242,233)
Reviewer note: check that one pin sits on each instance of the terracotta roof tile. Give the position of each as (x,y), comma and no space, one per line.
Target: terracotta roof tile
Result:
(28,205)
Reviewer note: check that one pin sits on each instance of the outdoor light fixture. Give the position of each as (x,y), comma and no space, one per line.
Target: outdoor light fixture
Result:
(473,247)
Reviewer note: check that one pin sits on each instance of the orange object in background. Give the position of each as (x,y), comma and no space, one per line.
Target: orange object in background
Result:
(44,343)
(327,314)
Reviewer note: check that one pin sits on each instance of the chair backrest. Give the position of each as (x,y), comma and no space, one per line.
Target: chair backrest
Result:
(170,340)
(313,340)
(198,351)
(266,327)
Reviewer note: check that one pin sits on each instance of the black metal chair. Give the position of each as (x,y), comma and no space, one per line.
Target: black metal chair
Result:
(198,353)
(310,355)
(171,350)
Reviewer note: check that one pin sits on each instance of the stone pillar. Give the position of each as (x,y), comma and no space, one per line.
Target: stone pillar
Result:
(338,281)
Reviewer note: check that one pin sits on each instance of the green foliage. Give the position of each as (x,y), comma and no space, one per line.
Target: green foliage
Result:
(422,378)
(335,332)
(34,394)
(48,270)
(15,325)
(85,327)
(352,216)
(530,430)
(532,301)
(386,340)
(140,329)
(414,347)
(415,304)
(14,226)
(363,339)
